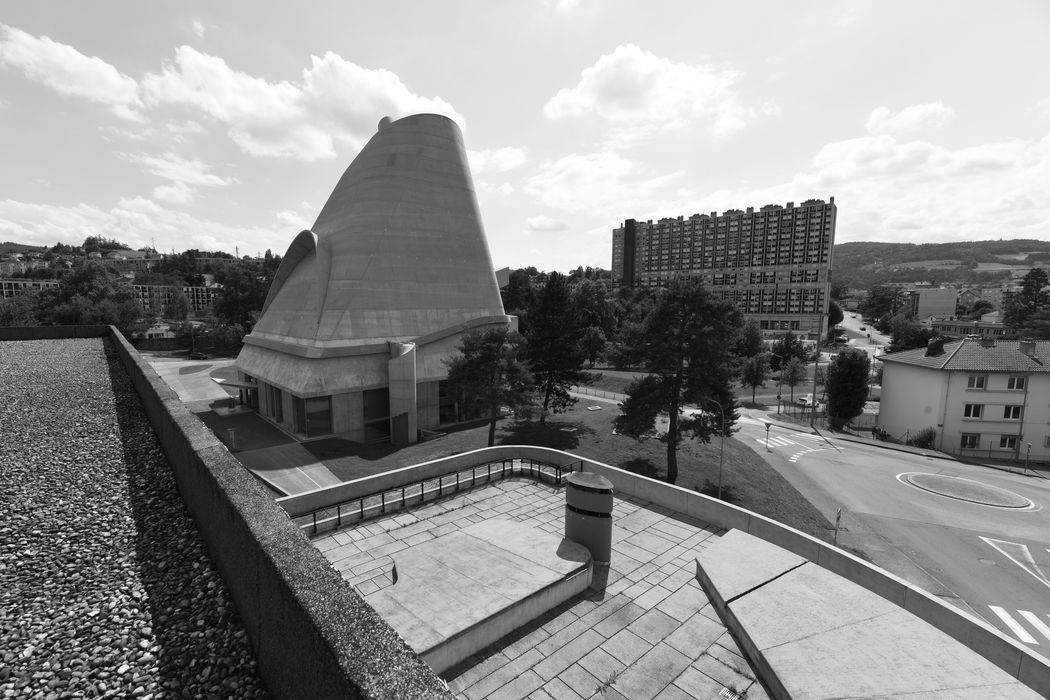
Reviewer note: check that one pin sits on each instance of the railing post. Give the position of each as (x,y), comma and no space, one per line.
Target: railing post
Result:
(488,469)
(361,508)
(473,474)
(402,496)
(315,522)
(422,495)
(382,501)
(338,514)
(457,482)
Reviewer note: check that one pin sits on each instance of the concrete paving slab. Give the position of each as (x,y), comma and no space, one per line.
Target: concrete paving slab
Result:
(810,633)
(740,562)
(457,593)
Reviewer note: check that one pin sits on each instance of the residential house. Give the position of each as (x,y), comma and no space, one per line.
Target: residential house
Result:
(984,397)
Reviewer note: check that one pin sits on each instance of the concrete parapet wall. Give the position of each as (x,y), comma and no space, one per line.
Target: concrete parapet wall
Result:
(313,636)
(1028,667)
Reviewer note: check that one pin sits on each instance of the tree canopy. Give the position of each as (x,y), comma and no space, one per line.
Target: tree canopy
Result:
(553,347)
(689,338)
(847,385)
(489,373)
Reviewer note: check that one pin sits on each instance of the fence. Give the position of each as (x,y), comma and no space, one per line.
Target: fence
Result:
(355,510)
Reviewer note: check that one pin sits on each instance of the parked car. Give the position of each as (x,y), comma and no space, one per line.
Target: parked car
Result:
(806,400)
(864,328)
(198,356)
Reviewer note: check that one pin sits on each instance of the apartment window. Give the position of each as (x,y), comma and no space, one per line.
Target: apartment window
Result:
(1015,383)
(1012,412)
(1046,441)
(1008,442)
(976,381)
(970,441)
(973,410)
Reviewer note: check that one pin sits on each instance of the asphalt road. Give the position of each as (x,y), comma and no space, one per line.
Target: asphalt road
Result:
(991,561)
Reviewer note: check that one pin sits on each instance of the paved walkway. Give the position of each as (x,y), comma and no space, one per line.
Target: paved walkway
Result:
(644,630)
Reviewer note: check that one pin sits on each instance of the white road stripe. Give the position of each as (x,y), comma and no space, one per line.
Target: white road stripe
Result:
(1008,620)
(1036,622)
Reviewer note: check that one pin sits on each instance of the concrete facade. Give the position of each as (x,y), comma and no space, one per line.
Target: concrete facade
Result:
(774,263)
(368,304)
(985,398)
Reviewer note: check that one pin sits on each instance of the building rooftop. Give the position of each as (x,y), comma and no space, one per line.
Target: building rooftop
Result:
(644,628)
(976,355)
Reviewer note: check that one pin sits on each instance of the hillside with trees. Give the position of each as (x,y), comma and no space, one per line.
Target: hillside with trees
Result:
(861,265)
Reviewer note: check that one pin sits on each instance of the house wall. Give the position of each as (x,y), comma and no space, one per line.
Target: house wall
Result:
(428,406)
(1032,427)
(911,399)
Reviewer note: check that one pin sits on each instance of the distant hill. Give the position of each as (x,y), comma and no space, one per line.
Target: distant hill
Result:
(863,264)
(12,247)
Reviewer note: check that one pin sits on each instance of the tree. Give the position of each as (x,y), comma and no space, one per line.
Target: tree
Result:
(91,295)
(790,345)
(178,307)
(489,373)
(754,373)
(847,385)
(835,315)
(592,343)
(881,301)
(243,292)
(908,335)
(20,310)
(553,347)
(750,343)
(793,374)
(1018,306)
(690,337)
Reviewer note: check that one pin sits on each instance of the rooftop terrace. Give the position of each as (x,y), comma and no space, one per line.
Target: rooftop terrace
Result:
(644,629)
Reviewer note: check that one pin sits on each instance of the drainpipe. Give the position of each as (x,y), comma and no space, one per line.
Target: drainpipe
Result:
(944,411)
(1024,412)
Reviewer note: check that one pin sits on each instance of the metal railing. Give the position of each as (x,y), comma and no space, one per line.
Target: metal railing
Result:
(361,508)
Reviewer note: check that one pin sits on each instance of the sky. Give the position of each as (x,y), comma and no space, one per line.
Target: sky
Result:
(226,125)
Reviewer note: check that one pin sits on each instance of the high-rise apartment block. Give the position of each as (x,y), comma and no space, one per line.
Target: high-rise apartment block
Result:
(774,263)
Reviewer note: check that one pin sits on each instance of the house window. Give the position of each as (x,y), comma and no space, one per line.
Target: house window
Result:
(1046,441)
(970,441)
(973,410)
(1012,412)
(976,381)
(1015,383)
(1008,442)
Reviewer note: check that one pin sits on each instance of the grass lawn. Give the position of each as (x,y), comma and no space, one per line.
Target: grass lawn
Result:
(747,481)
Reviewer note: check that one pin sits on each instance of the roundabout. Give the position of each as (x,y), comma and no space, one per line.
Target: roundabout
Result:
(966,490)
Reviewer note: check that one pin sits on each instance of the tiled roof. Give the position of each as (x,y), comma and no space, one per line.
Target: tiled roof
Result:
(972,355)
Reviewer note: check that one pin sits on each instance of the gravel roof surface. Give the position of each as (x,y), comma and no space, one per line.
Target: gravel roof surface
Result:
(105,587)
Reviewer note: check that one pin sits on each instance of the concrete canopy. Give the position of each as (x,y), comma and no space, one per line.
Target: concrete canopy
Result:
(398,253)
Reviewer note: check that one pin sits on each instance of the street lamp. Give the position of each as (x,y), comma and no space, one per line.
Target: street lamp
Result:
(1027,454)
(780,377)
(721,446)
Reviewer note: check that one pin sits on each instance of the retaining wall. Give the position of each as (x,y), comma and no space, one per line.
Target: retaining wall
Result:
(312,635)
(1031,669)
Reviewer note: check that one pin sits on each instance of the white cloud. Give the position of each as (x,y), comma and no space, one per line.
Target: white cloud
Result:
(561,7)
(175,193)
(177,169)
(289,219)
(65,70)
(199,29)
(639,94)
(1042,107)
(135,221)
(915,191)
(604,181)
(496,160)
(930,115)
(546,224)
(504,188)
(336,102)
(187,127)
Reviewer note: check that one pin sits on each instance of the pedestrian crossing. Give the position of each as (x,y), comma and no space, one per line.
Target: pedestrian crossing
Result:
(807,442)
(1035,631)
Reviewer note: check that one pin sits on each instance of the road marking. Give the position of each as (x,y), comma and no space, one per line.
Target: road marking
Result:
(1019,554)
(1036,622)
(1015,627)
(794,457)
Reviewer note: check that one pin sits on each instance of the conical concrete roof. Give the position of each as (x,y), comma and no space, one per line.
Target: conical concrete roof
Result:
(397,253)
